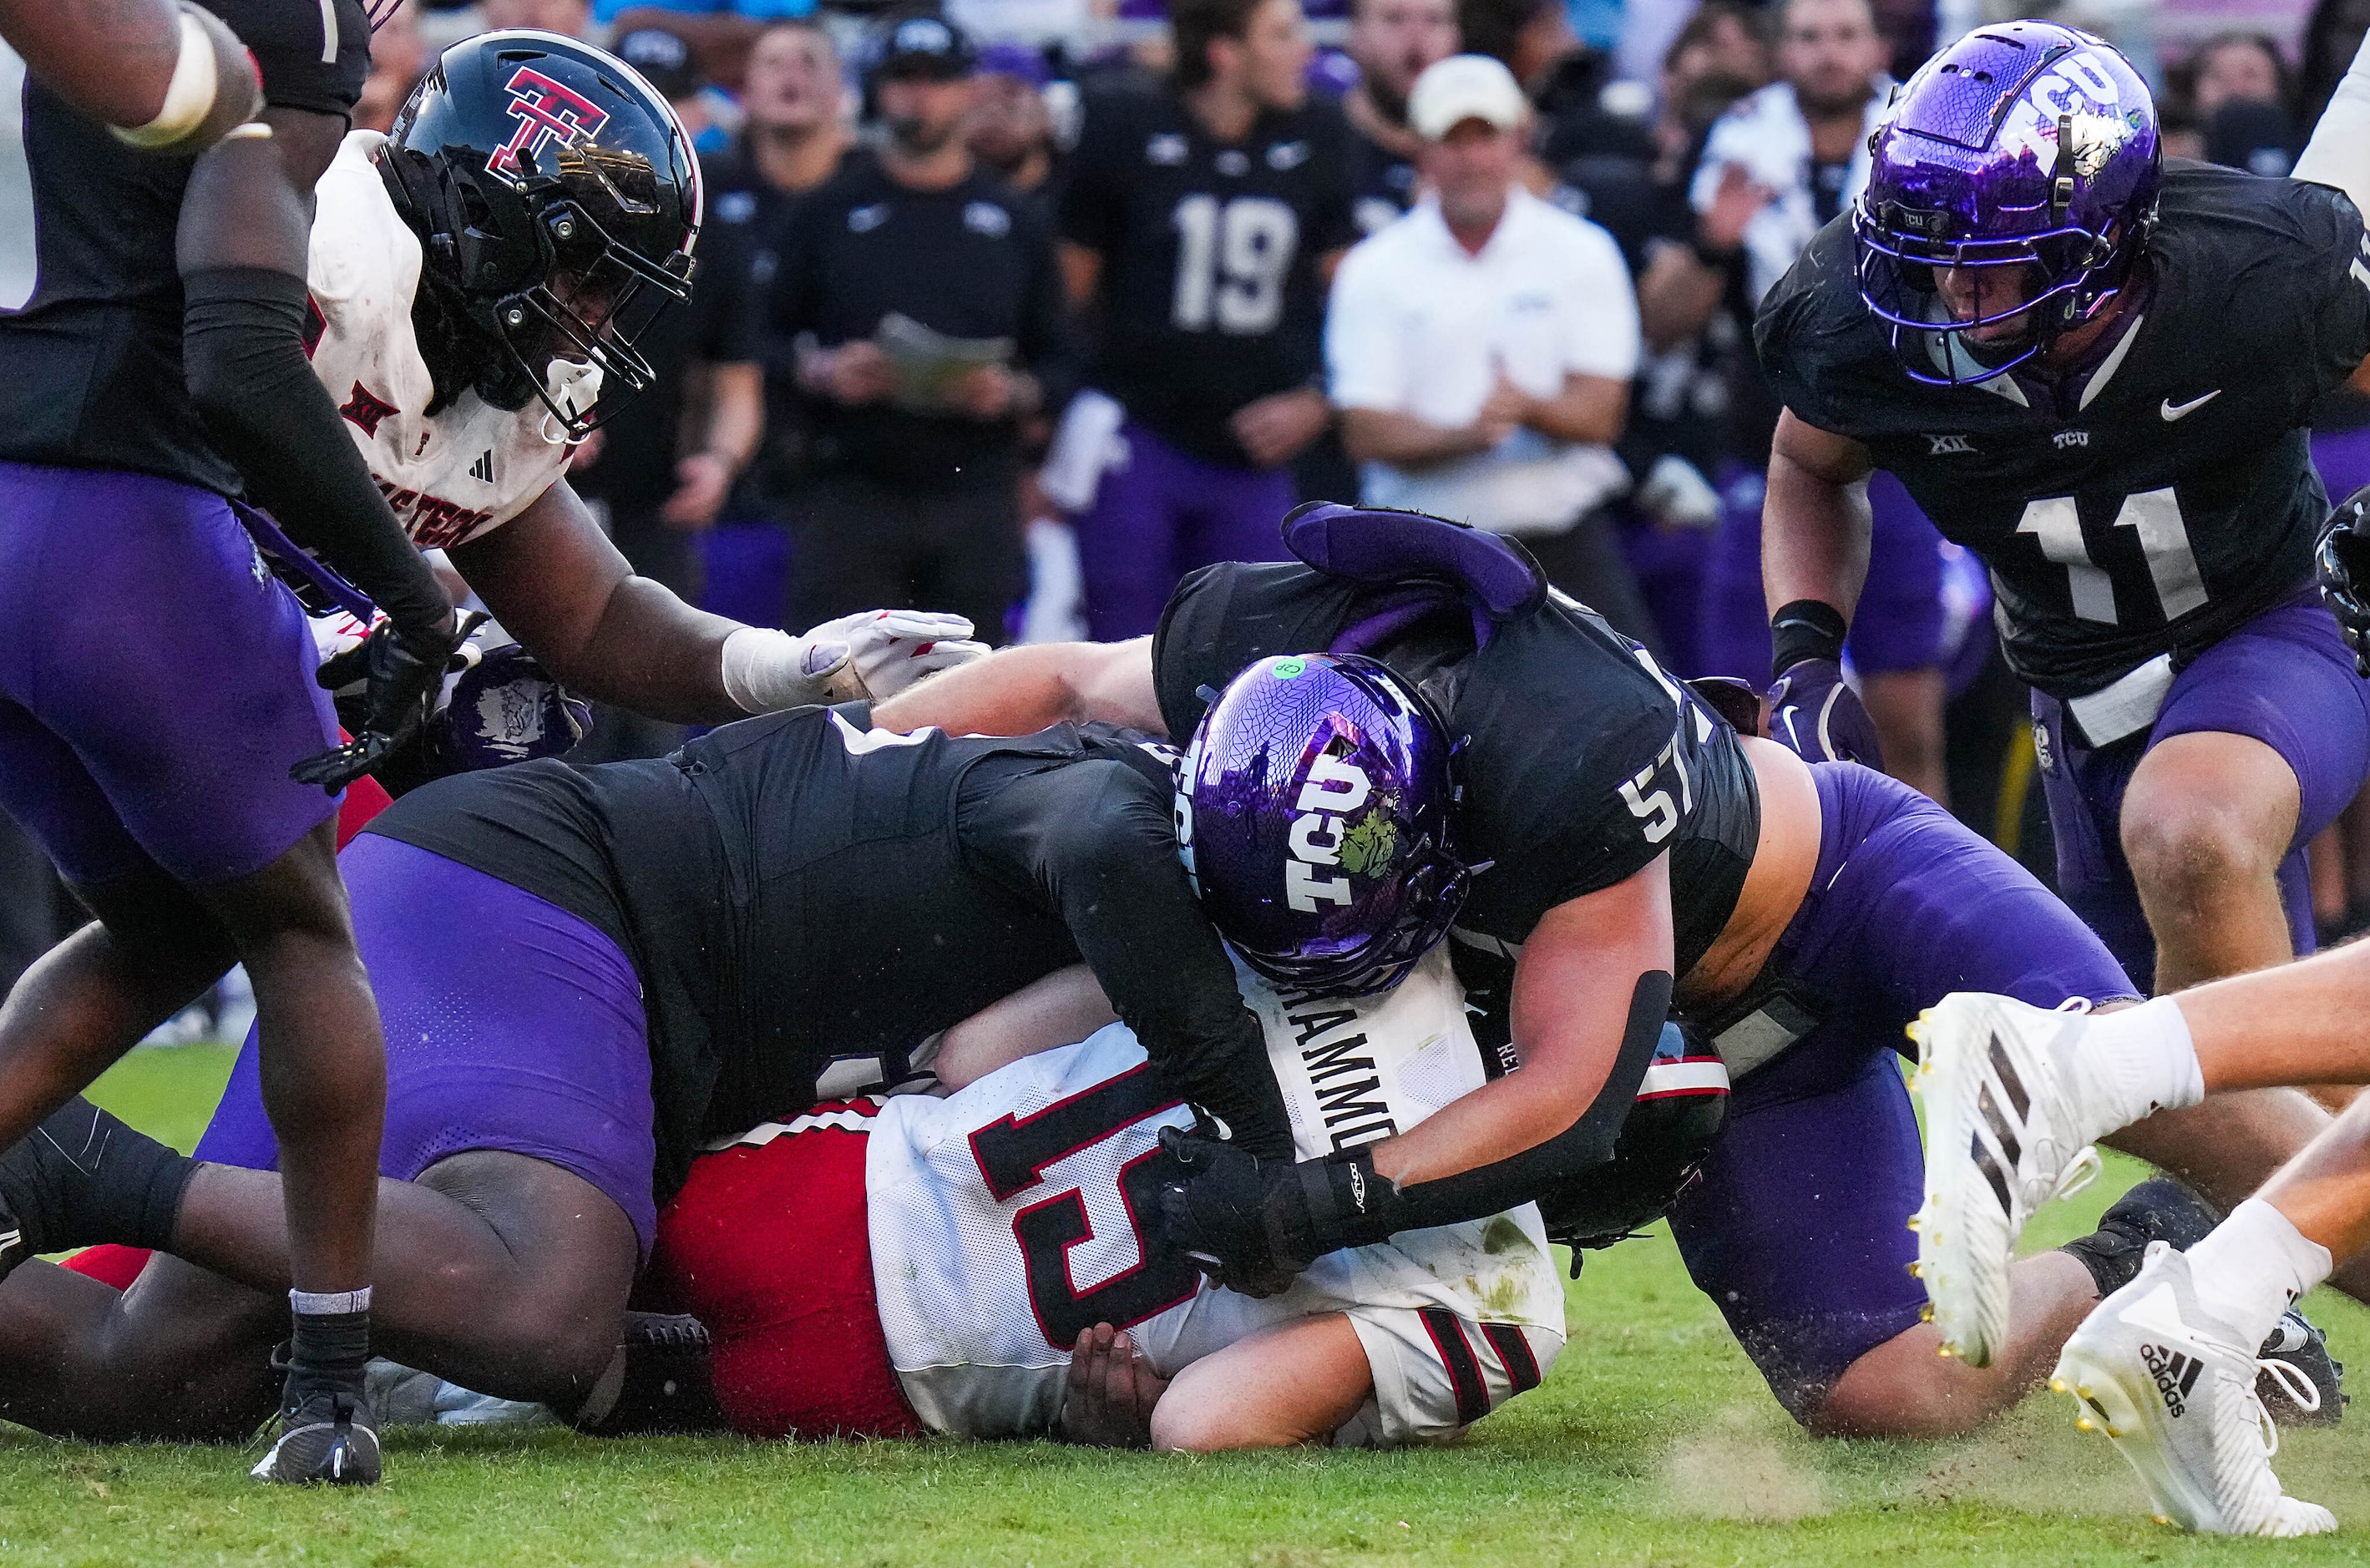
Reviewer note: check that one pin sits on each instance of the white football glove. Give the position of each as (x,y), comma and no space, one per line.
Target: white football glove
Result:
(866,656)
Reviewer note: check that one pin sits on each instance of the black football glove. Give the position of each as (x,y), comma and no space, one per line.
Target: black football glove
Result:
(2341,564)
(403,670)
(1235,1215)
(1813,711)
(1252,1225)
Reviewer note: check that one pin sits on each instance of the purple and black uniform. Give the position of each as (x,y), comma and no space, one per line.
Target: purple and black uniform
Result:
(603,967)
(155,682)
(1209,300)
(1799,1227)
(2148,522)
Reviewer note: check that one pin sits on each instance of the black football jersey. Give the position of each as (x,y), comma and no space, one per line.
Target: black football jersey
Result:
(1210,296)
(2164,500)
(90,299)
(1581,761)
(799,888)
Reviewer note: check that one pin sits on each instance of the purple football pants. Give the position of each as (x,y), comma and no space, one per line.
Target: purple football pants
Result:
(511,1023)
(156,680)
(2285,678)
(1900,620)
(1159,514)
(1799,1227)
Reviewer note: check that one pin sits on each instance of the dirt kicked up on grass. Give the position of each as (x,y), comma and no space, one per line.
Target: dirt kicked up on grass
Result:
(1653,1442)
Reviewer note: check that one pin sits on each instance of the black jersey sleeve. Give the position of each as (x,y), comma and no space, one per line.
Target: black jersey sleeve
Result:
(1812,329)
(1333,212)
(1093,206)
(2339,330)
(1094,841)
(312,55)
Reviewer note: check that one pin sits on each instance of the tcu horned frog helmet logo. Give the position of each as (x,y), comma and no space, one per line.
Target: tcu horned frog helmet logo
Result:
(546,112)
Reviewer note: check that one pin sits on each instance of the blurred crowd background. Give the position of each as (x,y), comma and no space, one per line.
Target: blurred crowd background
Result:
(1024,308)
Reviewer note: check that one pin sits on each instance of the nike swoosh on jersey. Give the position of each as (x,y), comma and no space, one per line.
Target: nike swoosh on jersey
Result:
(2172,410)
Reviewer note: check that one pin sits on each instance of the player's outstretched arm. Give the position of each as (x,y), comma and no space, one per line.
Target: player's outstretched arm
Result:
(1020,691)
(1049,1013)
(1297,1383)
(1814,532)
(168,77)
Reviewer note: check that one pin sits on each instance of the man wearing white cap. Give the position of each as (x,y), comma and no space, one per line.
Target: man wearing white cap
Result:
(1481,348)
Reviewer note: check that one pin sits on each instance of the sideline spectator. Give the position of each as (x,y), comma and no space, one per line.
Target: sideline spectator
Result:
(667,63)
(571,18)
(1482,347)
(1392,41)
(1012,130)
(720,32)
(1199,222)
(906,265)
(2240,92)
(1779,165)
(662,468)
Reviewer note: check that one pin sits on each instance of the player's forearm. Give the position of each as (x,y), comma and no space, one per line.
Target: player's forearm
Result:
(1020,691)
(111,59)
(736,413)
(1677,297)
(2338,152)
(653,654)
(1814,537)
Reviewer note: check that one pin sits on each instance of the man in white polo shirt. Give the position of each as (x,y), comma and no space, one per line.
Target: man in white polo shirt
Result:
(1480,348)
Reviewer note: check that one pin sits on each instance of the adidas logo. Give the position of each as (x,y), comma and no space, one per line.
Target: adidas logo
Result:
(482,470)
(2007,1133)
(2175,1372)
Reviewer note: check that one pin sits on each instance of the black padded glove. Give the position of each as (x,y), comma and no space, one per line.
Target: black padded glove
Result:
(403,670)
(2341,564)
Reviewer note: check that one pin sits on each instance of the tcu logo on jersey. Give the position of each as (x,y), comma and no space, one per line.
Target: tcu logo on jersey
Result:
(1334,789)
(546,112)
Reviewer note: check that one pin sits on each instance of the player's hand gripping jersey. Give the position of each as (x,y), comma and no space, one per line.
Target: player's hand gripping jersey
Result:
(466,468)
(2156,505)
(1007,1218)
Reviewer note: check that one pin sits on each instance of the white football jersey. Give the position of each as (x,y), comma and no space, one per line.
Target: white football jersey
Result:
(1006,1216)
(471,466)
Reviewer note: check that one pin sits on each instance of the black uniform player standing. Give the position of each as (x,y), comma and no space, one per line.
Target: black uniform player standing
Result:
(1199,227)
(117,60)
(155,683)
(913,492)
(2120,438)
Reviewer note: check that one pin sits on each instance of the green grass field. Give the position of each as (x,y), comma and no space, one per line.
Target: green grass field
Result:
(1651,1443)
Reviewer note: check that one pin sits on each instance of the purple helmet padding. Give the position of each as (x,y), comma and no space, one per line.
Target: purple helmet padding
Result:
(2025,144)
(1315,811)
(1492,573)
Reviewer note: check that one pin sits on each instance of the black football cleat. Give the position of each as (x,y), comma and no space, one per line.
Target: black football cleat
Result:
(2297,1340)
(326,1437)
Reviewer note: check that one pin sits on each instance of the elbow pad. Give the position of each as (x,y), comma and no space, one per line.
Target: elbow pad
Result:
(243,348)
(1351,1205)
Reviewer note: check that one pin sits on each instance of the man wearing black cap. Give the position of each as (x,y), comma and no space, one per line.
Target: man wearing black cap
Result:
(922,303)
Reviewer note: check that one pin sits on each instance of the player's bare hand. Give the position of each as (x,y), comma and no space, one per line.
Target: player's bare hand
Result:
(1112,1393)
(701,481)
(854,372)
(1737,201)
(1274,428)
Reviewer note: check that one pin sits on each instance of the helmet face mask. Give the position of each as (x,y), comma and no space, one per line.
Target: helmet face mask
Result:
(556,201)
(2018,171)
(1315,812)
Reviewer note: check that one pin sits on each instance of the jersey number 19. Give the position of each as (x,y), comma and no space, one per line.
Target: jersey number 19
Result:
(1230,263)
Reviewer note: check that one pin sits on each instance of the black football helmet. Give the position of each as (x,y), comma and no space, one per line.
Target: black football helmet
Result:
(556,201)
(1670,1130)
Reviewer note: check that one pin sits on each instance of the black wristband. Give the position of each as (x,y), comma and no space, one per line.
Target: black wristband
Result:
(1350,1203)
(1807,628)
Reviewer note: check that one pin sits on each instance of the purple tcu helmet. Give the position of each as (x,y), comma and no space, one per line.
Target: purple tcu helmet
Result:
(1314,811)
(2026,145)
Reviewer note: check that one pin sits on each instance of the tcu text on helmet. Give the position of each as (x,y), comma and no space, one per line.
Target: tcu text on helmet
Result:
(1333,789)
(2079,85)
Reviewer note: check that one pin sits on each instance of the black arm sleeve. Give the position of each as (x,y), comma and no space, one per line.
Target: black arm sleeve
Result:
(1510,1183)
(244,346)
(1093,841)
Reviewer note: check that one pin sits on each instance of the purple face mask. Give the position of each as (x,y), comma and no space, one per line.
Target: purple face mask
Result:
(1315,811)
(2024,159)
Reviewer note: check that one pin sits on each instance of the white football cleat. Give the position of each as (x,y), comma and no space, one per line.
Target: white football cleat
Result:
(2177,1397)
(2000,1141)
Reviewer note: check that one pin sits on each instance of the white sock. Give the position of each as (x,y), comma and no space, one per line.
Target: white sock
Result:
(2253,1268)
(2133,1062)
